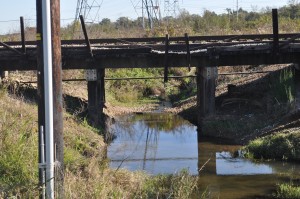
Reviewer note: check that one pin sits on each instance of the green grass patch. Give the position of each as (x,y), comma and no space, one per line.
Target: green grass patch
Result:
(178,186)
(287,191)
(281,146)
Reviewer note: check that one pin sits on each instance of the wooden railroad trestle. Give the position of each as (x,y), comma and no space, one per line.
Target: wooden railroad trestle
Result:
(205,53)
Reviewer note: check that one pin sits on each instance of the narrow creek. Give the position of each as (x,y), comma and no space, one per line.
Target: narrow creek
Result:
(166,143)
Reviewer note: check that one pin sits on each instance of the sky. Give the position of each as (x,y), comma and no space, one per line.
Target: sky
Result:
(113,9)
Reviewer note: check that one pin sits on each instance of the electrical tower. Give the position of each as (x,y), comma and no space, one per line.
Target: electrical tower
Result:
(170,8)
(89,9)
(150,11)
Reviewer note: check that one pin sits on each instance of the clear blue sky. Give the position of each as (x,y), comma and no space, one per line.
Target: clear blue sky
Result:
(11,10)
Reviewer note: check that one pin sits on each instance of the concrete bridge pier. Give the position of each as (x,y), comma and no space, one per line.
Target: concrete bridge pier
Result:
(206,87)
(96,96)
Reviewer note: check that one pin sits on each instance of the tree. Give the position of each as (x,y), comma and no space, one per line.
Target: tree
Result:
(123,22)
(105,22)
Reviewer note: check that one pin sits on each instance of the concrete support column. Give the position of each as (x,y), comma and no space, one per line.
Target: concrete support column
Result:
(206,87)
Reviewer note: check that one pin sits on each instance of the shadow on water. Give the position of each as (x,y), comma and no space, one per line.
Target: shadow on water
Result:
(164,143)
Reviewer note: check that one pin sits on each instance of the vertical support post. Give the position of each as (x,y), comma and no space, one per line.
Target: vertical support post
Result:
(275,31)
(166,61)
(96,97)
(188,53)
(23,35)
(40,90)
(103,95)
(57,99)
(3,74)
(206,87)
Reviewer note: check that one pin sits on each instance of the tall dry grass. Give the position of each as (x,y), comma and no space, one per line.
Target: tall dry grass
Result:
(87,173)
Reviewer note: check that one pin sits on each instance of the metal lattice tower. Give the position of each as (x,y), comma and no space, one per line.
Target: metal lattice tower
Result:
(89,9)
(150,11)
(170,8)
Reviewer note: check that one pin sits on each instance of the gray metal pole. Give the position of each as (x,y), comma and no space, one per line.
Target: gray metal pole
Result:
(49,136)
(42,163)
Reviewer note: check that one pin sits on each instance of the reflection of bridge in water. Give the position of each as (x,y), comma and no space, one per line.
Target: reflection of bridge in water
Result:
(144,142)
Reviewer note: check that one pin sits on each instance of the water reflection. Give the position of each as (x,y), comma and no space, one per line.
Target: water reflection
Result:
(157,143)
(227,165)
(163,143)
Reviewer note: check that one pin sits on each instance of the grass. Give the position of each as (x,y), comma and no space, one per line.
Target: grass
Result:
(281,146)
(87,174)
(287,191)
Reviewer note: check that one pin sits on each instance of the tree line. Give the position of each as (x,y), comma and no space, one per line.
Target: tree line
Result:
(206,23)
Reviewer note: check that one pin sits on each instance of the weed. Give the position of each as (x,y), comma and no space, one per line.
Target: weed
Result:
(287,191)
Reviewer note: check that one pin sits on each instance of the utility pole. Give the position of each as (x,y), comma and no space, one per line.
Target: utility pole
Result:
(50,108)
(57,98)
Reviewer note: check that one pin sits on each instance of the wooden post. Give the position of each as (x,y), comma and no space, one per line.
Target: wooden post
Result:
(206,86)
(96,96)
(23,35)
(4,74)
(57,98)
(275,31)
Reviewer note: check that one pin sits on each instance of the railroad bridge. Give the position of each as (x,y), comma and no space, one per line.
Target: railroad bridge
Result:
(206,53)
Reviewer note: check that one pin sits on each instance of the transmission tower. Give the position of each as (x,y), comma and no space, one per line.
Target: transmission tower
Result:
(150,11)
(170,8)
(89,9)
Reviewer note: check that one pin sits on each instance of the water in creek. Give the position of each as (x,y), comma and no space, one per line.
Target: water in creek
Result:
(165,143)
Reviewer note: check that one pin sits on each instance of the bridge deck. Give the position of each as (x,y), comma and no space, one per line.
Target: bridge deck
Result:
(202,51)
